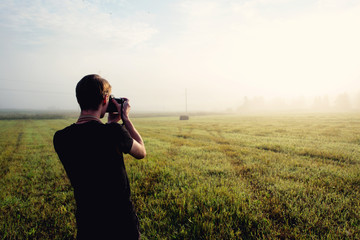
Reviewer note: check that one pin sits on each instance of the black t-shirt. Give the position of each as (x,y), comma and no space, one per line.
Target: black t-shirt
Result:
(92,155)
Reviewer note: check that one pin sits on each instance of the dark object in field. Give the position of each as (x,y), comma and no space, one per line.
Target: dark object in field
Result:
(184,117)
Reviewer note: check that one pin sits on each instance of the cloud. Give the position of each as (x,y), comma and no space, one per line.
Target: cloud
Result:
(228,49)
(44,22)
(313,50)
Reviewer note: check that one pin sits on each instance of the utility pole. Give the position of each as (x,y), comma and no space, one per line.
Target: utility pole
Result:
(186,101)
(186,116)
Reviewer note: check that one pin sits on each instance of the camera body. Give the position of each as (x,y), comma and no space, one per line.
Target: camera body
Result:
(111,107)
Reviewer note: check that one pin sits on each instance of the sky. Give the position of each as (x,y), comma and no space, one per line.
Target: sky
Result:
(215,52)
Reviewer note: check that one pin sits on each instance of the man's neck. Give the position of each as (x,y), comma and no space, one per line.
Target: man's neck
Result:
(89,115)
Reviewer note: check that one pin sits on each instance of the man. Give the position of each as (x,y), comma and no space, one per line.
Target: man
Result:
(92,155)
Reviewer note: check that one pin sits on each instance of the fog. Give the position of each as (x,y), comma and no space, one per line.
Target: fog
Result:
(229,56)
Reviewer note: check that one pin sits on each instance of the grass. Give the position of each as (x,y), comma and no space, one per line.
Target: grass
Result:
(212,177)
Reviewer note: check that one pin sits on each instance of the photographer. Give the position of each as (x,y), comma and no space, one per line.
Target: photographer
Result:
(92,155)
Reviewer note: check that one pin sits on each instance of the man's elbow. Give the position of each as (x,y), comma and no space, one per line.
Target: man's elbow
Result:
(138,150)
(140,155)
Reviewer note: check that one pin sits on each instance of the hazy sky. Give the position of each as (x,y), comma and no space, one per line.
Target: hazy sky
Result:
(151,51)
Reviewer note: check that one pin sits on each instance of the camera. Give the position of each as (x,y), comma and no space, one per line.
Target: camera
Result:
(111,107)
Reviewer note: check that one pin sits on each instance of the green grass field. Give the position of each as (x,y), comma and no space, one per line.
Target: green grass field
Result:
(212,177)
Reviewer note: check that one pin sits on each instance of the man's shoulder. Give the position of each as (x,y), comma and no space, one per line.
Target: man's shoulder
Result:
(64,130)
(113,125)
(116,127)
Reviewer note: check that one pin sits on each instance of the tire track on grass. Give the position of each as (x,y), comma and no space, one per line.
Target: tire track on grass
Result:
(178,140)
(225,146)
(316,154)
(12,145)
(272,206)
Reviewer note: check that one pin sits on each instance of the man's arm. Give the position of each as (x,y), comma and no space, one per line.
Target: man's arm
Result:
(137,150)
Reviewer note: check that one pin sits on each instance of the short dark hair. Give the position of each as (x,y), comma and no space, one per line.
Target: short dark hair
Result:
(91,90)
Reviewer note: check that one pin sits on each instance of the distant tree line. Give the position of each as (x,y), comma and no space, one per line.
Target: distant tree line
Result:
(28,115)
(342,102)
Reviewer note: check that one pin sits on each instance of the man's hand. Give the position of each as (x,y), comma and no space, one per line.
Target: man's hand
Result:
(126,110)
(116,117)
